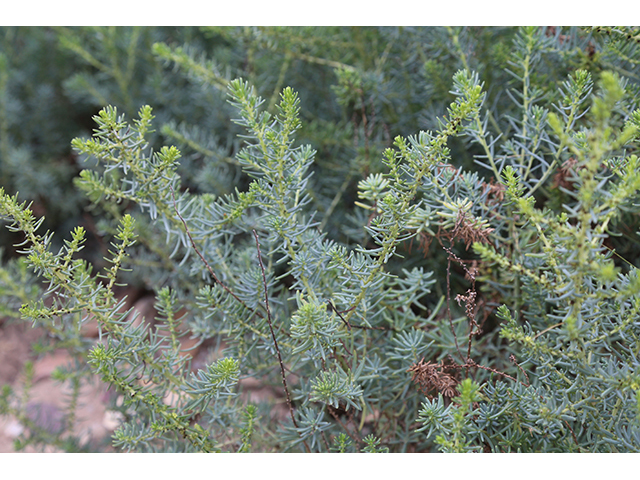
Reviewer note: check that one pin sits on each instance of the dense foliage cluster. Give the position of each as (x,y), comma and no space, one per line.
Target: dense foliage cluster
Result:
(425,239)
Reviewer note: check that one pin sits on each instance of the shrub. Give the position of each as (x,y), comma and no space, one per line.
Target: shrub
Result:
(435,306)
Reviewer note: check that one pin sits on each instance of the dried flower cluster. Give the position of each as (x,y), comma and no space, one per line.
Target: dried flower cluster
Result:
(433,380)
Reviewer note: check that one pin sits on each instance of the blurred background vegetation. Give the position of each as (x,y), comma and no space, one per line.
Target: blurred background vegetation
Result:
(359,88)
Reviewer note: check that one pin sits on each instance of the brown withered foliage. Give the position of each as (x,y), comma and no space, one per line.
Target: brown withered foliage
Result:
(469,302)
(560,179)
(495,192)
(472,271)
(467,230)
(431,379)
(424,242)
(464,229)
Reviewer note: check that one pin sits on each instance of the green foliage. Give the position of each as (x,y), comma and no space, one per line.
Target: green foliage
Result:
(423,238)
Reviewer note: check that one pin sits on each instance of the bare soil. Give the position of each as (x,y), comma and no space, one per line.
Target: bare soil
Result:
(48,398)
(95,423)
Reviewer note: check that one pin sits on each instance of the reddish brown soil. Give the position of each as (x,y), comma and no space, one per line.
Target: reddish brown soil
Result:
(47,401)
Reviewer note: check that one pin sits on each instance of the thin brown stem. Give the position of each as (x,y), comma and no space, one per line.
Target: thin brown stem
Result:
(573,434)
(349,325)
(453,330)
(204,260)
(354,437)
(513,359)
(275,341)
(474,328)
(335,310)
(472,364)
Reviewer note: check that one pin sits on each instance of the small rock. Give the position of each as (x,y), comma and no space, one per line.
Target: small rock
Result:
(13,429)
(112,420)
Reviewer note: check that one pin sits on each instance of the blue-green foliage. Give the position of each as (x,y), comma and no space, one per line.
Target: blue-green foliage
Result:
(420,238)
